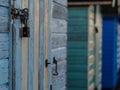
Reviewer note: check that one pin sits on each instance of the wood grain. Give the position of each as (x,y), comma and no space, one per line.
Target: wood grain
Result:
(59,12)
(5,3)
(59,40)
(3,71)
(59,26)
(4,24)
(62,2)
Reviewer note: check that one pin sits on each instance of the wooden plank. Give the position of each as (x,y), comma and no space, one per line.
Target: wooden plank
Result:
(49,30)
(24,76)
(17,58)
(41,45)
(4,37)
(17,53)
(58,40)
(36,43)
(59,82)
(4,42)
(59,53)
(31,46)
(4,87)
(4,54)
(5,3)
(4,12)
(4,24)
(62,2)
(59,26)
(3,71)
(91,3)
(59,12)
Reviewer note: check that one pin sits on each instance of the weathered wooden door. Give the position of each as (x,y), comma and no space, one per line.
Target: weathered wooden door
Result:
(4,45)
(29,54)
(22,47)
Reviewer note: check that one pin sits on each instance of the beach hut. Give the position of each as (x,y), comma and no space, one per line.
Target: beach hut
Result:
(81,57)
(84,47)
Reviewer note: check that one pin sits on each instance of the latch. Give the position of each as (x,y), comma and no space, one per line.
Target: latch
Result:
(23,14)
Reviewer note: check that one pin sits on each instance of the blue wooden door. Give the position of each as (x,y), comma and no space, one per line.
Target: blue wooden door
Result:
(22,50)
(4,45)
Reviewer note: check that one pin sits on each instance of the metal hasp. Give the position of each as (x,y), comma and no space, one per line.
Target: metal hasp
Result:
(46,63)
(23,14)
(56,66)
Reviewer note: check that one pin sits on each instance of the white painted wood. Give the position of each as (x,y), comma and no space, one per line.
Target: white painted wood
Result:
(59,40)
(36,43)
(24,81)
(59,26)
(63,2)
(59,53)
(59,82)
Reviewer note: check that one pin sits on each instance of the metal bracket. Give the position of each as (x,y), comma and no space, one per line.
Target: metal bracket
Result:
(46,63)
(23,14)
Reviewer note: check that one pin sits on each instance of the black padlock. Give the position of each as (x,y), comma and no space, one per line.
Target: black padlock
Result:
(25,32)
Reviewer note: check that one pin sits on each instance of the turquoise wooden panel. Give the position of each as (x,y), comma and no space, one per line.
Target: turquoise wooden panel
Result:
(76,75)
(81,83)
(77,49)
(73,12)
(77,68)
(77,45)
(76,88)
(78,37)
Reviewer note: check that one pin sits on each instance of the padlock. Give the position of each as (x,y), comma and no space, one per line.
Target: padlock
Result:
(25,32)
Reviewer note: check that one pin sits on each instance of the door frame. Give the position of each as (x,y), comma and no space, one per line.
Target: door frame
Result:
(45,80)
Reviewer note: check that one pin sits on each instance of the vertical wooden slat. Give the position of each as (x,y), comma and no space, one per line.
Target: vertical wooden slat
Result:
(45,44)
(17,51)
(11,50)
(24,55)
(41,49)
(17,56)
(49,30)
(31,46)
(36,43)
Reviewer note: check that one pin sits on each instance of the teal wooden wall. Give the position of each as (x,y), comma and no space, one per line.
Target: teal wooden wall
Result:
(80,48)
(4,44)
